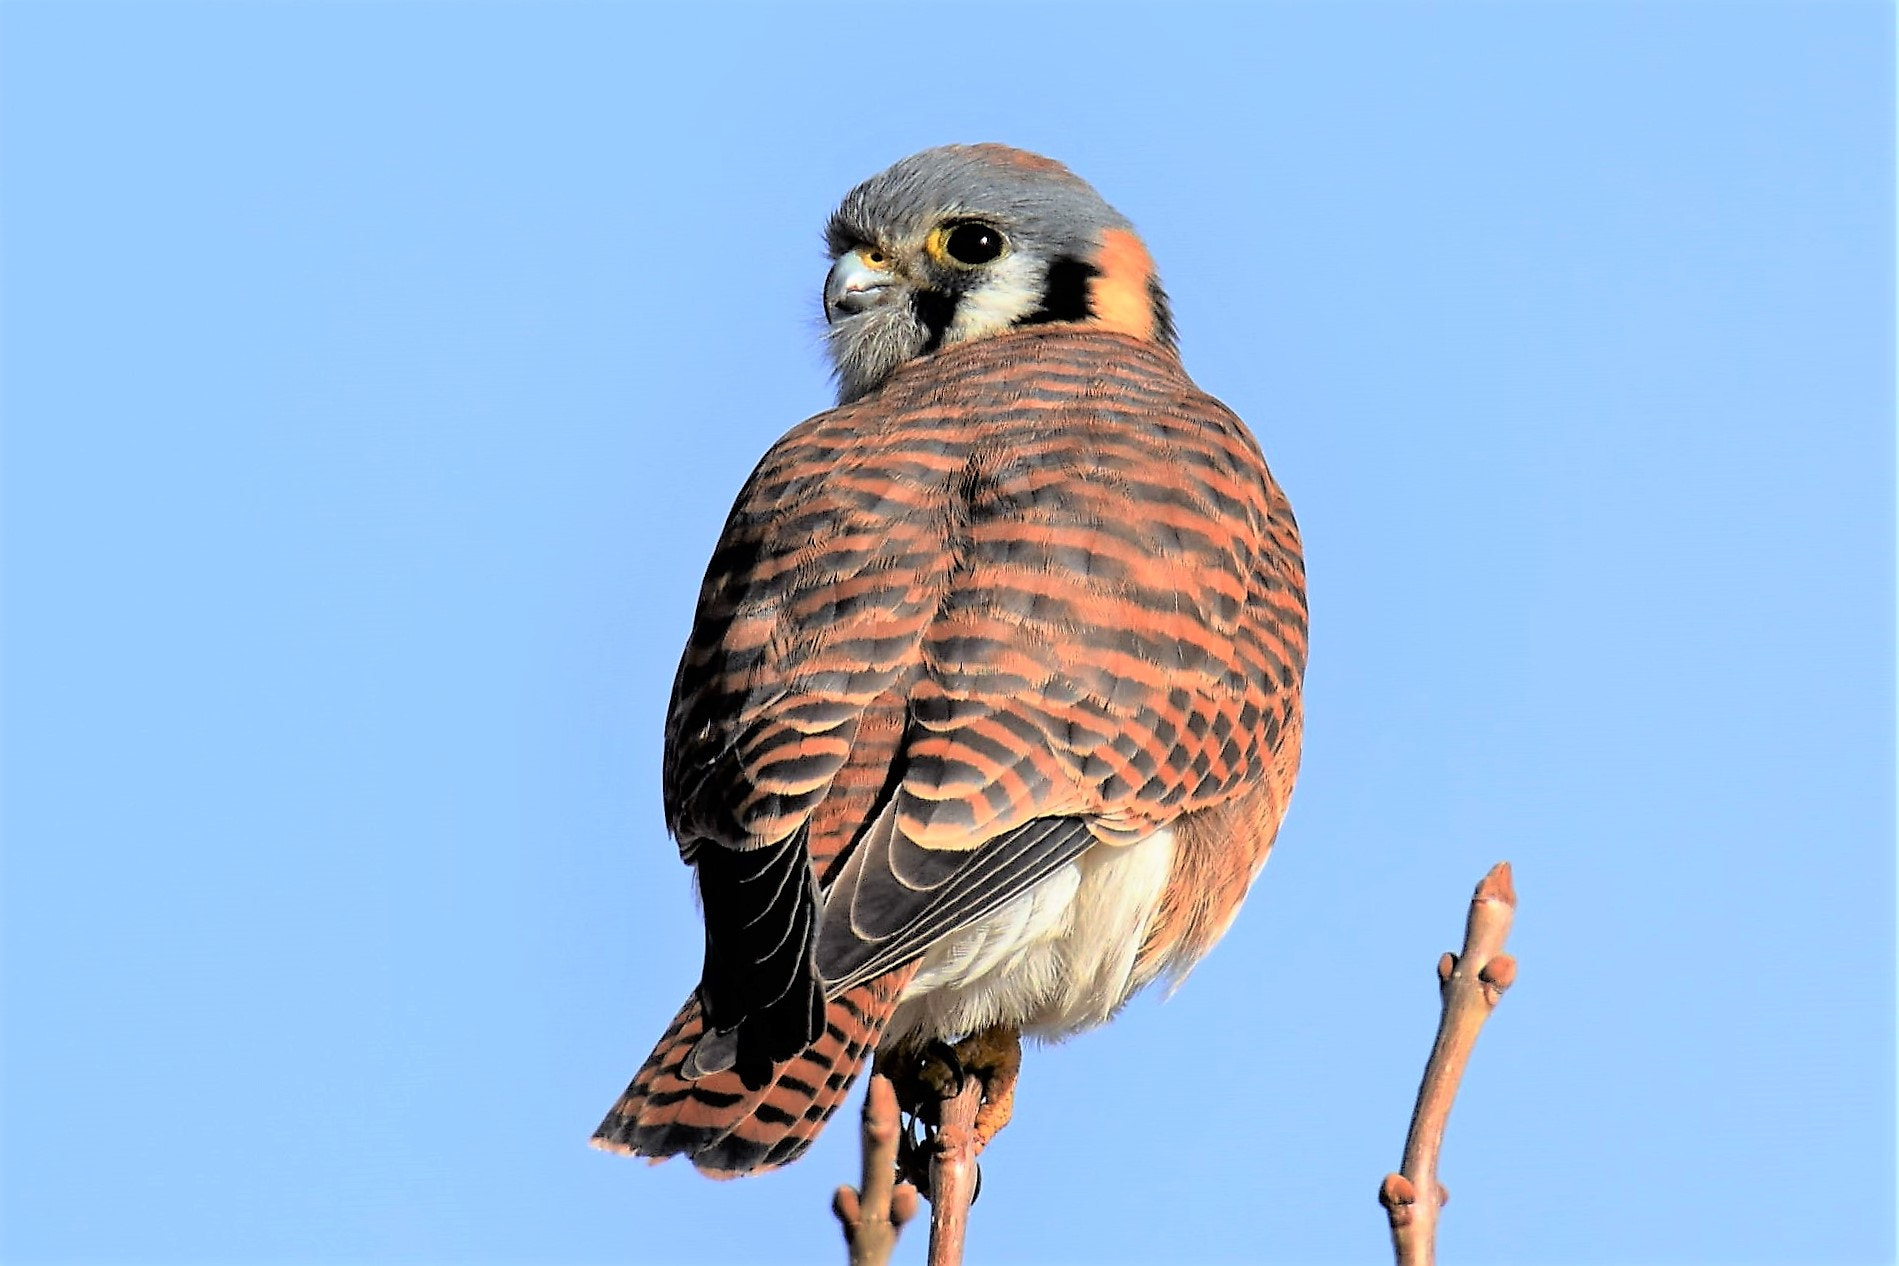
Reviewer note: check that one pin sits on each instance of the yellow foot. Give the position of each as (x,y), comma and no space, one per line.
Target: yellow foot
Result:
(993,1057)
(927,1074)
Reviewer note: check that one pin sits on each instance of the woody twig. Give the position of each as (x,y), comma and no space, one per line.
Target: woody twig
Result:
(953,1173)
(1470,984)
(873,1216)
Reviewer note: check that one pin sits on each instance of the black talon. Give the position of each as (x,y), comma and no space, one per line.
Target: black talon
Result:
(906,1154)
(952,1063)
(915,1142)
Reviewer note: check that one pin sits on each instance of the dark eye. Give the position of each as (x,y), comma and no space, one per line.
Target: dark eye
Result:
(974,243)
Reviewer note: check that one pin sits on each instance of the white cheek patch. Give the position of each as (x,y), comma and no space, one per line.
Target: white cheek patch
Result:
(1011,288)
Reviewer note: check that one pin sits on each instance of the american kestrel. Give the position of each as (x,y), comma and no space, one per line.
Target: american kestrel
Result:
(991,706)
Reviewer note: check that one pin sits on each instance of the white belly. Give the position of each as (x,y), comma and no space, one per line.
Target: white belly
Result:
(1053,961)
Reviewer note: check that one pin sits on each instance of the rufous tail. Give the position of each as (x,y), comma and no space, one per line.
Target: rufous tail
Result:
(727,1130)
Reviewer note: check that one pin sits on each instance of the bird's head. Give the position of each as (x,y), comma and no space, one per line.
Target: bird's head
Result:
(967,241)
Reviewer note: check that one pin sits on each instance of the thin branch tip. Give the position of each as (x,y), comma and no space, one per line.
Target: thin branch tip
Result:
(1499,884)
(872,1216)
(1470,983)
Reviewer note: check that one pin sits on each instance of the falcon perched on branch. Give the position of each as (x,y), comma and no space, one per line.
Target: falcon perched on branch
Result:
(990,710)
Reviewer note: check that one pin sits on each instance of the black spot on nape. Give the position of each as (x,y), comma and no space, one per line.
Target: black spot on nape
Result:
(1164,332)
(1065,295)
(935,310)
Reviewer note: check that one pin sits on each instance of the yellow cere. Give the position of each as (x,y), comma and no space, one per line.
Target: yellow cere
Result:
(871,257)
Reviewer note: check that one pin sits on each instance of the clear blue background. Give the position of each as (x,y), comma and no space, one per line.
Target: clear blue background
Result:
(376,378)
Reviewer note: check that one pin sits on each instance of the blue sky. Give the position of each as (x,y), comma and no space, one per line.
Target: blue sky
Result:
(376,378)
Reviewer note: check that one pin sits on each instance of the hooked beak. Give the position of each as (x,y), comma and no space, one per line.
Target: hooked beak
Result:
(855,285)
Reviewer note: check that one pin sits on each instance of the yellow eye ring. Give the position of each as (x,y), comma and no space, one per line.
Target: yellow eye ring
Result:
(966,244)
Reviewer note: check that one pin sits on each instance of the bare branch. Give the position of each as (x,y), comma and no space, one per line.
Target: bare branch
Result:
(953,1173)
(873,1217)
(1470,985)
